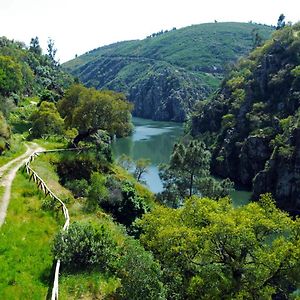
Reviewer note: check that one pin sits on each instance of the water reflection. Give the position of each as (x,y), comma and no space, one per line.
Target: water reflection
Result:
(153,140)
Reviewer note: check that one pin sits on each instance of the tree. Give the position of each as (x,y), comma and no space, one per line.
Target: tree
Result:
(89,110)
(124,203)
(11,80)
(188,174)
(280,22)
(125,162)
(190,162)
(98,191)
(141,167)
(51,51)
(35,46)
(140,274)
(211,250)
(46,120)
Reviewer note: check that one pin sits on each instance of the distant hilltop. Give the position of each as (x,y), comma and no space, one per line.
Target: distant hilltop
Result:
(165,73)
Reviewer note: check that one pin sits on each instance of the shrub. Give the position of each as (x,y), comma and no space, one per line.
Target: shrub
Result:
(124,203)
(228,121)
(98,191)
(46,120)
(140,274)
(85,245)
(79,187)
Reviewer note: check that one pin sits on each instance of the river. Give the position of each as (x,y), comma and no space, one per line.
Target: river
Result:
(155,140)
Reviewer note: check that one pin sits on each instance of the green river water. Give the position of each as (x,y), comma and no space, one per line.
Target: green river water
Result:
(154,140)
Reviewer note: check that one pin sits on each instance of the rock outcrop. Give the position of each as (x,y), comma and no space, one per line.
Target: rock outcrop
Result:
(252,124)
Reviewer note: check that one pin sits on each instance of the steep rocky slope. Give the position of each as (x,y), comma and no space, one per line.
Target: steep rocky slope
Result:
(164,74)
(255,120)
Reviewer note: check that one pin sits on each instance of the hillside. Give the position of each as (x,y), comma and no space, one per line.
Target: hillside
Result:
(27,76)
(253,123)
(164,74)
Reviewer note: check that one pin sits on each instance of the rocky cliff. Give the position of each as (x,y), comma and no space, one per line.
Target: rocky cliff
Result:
(254,120)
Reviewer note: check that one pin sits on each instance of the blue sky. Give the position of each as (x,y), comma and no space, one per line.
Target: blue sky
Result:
(79,26)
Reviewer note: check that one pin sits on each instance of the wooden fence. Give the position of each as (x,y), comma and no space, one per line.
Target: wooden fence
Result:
(43,186)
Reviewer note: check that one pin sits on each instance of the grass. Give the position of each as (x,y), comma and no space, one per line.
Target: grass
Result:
(26,240)
(25,244)
(51,143)
(88,284)
(17,148)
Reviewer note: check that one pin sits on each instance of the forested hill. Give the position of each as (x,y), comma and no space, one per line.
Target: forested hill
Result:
(255,120)
(27,73)
(164,74)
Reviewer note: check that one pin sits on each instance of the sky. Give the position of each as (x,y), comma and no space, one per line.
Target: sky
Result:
(77,26)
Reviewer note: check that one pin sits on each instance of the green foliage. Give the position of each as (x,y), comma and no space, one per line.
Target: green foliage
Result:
(280,22)
(79,187)
(10,76)
(214,189)
(81,165)
(236,82)
(179,66)
(88,110)
(188,174)
(228,121)
(296,71)
(124,202)
(190,161)
(5,133)
(30,72)
(97,191)
(85,245)
(125,162)
(46,121)
(35,46)
(254,112)
(210,250)
(141,167)
(140,274)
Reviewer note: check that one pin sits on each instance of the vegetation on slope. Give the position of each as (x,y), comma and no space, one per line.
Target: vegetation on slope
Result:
(26,72)
(204,249)
(252,123)
(164,75)
(25,244)
(209,250)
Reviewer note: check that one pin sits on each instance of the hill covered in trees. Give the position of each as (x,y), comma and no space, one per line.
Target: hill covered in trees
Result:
(164,74)
(25,72)
(252,123)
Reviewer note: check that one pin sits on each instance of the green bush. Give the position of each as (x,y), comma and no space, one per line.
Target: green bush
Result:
(46,120)
(79,187)
(140,274)
(85,245)
(97,192)
(228,121)
(123,202)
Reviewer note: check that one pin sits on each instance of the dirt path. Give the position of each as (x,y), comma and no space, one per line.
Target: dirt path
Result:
(7,175)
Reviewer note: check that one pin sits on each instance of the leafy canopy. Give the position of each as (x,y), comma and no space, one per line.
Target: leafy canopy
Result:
(210,250)
(89,110)
(46,120)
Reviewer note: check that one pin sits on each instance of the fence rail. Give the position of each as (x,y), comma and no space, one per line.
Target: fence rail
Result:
(47,191)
